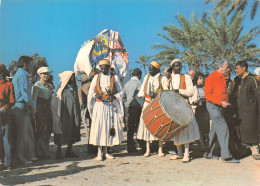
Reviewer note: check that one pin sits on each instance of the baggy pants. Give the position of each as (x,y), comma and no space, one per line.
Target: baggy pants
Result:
(219,130)
(132,124)
(24,135)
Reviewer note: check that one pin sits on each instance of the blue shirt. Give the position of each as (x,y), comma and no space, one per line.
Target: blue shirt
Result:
(22,88)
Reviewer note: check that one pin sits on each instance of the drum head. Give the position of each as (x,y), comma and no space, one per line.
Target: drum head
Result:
(176,107)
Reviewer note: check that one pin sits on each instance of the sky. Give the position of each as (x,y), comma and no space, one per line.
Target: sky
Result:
(56,29)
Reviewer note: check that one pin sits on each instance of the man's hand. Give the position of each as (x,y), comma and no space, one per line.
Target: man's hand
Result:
(34,111)
(2,110)
(111,98)
(152,95)
(98,96)
(225,104)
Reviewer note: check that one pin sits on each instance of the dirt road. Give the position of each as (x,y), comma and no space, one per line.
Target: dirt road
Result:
(131,169)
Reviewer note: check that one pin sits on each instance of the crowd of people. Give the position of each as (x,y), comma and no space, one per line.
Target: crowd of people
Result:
(225,113)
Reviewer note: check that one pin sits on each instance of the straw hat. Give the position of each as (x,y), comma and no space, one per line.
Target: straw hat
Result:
(104,62)
(155,64)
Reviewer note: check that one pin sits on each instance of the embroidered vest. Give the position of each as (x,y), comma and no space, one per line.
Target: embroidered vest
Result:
(160,85)
(182,82)
(112,86)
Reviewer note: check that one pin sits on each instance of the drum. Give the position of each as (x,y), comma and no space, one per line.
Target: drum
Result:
(167,114)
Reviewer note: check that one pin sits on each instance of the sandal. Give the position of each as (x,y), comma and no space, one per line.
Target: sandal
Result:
(175,157)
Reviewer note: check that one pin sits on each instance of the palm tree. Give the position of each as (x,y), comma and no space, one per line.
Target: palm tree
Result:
(144,61)
(183,42)
(224,40)
(200,43)
(13,67)
(238,5)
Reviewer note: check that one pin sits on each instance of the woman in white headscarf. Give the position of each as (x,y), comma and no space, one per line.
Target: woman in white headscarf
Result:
(66,114)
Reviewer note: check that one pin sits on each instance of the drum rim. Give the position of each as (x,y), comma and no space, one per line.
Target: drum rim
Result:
(172,120)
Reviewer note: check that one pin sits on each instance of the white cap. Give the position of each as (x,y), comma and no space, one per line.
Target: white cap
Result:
(257,71)
(43,70)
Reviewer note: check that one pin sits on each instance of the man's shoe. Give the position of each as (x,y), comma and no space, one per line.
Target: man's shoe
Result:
(256,157)
(231,160)
(9,168)
(27,162)
(172,152)
(175,157)
(71,155)
(2,167)
(132,149)
(215,158)
(58,156)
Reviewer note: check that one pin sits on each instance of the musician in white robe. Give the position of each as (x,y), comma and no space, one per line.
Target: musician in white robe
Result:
(105,94)
(182,84)
(151,86)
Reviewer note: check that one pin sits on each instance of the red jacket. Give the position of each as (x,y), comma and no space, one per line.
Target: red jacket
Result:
(7,98)
(216,88)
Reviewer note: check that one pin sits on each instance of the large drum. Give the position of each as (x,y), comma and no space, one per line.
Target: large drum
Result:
(167,115)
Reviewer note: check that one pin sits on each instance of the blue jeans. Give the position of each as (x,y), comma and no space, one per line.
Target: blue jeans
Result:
(7,145)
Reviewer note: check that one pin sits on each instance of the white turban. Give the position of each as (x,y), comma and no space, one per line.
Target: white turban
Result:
(257,71)
(175,61)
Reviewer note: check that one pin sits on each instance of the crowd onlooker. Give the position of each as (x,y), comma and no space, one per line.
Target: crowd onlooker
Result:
(66,114)
(7,100)
(41,93)
(216,94)
(22,111)
(233,107)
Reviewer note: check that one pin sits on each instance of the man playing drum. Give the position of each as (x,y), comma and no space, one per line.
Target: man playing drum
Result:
(151,87)
(182,84)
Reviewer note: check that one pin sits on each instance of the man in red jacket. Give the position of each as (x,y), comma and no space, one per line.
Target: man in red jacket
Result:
(216,94)
(7,100)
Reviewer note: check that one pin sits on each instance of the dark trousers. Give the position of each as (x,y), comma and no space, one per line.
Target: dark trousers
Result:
(133,118)
(202,117)
(219,130)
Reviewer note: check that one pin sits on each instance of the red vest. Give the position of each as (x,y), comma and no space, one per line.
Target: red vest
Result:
(112,87)
(182,82)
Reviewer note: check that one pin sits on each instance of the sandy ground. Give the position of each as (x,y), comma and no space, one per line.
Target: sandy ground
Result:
(131,169)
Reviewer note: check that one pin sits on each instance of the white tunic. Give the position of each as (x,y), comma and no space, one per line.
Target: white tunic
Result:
(101,114)
(165,81)
(152,85)
(190,133)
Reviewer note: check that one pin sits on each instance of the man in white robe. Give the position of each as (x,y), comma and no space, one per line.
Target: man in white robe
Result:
(105,95)
(152,85)
(182,84)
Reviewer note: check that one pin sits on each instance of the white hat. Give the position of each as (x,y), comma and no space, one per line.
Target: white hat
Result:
(175,61)
(43,70)
(257,71)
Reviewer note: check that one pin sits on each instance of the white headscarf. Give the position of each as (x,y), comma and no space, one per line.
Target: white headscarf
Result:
(257,71)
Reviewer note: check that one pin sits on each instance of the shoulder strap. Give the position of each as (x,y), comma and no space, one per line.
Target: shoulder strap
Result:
(112,87)
(98,88)
(160,82)
(145,85)
(182,82)
(169,83)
